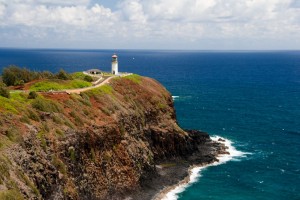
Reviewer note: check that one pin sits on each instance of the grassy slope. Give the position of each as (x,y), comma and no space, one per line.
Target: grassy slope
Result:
(57,84)
(96,106)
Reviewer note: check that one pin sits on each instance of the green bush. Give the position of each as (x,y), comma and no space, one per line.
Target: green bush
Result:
(45,75)
(13,134)
(63,75)
(59,164)
(78,75)
(88,78)
(4,91)
(14,75)
(45,105)
(32,115)
(32,95)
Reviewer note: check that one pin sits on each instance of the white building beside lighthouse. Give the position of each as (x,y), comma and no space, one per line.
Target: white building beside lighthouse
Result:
(114,65)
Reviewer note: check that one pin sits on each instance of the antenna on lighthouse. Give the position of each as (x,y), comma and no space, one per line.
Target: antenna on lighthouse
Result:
(114,64)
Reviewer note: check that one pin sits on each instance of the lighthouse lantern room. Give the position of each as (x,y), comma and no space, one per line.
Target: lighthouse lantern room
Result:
(114,64)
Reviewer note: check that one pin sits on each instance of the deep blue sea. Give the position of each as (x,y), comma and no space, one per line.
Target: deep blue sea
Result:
(249,97)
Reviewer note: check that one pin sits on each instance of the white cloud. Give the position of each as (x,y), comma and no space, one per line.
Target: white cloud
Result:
(2,9)
(46,2)
(158,23)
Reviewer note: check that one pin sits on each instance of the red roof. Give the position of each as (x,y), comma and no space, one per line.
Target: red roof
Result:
(114,56)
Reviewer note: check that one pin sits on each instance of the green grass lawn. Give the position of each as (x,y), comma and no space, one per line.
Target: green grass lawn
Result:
(57,85)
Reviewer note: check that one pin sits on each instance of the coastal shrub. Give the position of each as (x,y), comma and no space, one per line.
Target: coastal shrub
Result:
(45,127)
(25,119)
(85,99)
(3,143)
(45,75)
(78,121)
(11,184)
(86,112)
(4,169)
(60,166)
(32,95)
(12,194)
(28,182)
(13,134)
(56,119)
(88,78)
(63,75)
(33,115)
(14,75)
(69,123)
(41,137)
(45,105)
(78,75)
(105,111)
(59,132)
(4,91)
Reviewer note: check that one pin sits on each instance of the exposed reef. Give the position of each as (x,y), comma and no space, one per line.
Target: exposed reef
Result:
(118,141)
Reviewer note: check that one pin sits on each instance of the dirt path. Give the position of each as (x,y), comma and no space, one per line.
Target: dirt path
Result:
(77,91)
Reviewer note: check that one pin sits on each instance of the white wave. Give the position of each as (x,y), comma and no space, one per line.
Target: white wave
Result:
(195,174)
(175,97)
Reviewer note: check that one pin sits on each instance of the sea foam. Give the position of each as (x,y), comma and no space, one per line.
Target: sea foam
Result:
(195,172)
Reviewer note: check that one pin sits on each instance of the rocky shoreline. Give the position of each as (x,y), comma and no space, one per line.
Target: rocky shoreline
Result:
(174,172)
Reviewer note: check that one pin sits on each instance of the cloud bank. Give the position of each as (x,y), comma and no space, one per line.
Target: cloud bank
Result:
(154,24)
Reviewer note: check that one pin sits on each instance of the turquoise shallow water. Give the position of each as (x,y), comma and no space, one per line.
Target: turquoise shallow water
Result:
(251,98)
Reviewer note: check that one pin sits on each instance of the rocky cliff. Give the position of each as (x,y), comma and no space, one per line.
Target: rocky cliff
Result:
(105,143)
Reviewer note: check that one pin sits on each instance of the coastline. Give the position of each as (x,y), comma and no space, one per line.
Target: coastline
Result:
(171,192)
(173,176)
(163,194)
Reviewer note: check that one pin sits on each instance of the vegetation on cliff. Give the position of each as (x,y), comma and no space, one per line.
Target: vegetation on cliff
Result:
(101,144)
(43,81)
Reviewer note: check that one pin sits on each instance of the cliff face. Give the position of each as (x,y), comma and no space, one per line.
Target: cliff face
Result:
(102,144)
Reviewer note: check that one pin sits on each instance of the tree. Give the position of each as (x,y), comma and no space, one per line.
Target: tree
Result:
(14,75)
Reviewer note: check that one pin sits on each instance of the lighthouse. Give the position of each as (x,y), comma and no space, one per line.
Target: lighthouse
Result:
(114,64)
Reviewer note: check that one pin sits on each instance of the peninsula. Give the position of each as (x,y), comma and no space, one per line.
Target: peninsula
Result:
(115,141)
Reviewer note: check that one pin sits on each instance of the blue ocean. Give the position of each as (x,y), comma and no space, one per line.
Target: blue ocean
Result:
(251,98)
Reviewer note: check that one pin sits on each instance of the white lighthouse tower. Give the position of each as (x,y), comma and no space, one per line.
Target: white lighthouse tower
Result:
(114,64)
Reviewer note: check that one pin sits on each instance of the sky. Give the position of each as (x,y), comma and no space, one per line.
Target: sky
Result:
(151,24)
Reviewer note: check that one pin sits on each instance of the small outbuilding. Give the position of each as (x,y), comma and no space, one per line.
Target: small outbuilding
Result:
(94,71)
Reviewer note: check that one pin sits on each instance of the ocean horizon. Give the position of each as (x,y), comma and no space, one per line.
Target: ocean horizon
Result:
(249,97)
